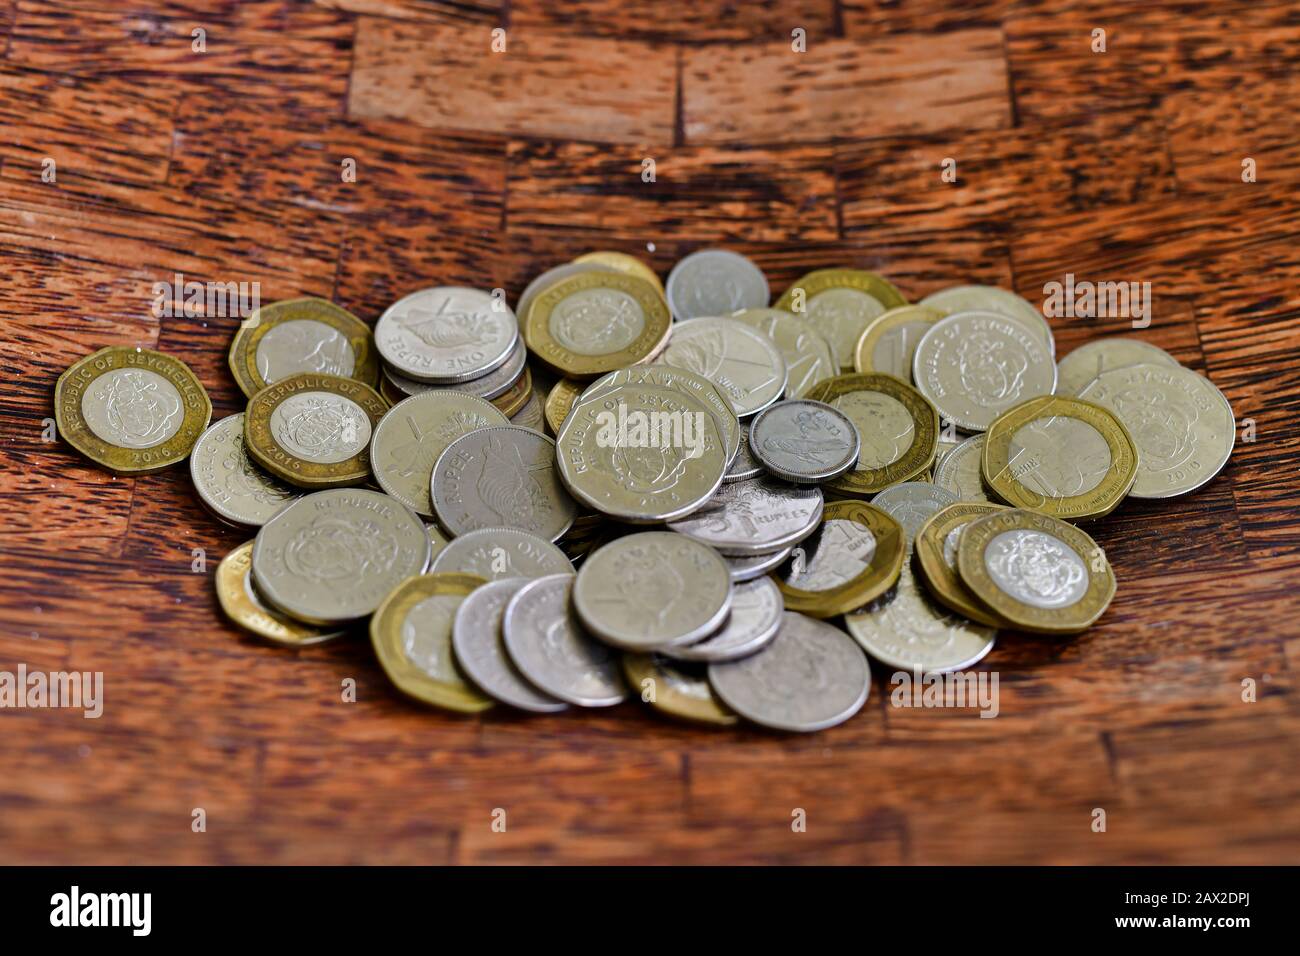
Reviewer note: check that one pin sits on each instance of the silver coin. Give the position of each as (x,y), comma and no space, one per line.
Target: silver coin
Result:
(437,540)
(652,590)
(911,503)
(488,386)
(333,556)
(746,569)
(1089,360)
(481,652)
(552,651)
(757,516)
(812,676)
(961,472)
(743,362)
(744,465)
(988,298)
(446,334)
(496,553)
(501,477)
(973,366)
(321,427)
(804,441)
(807,353)
(1037,568)
(715,282)
(549,278)
(227,481)
(756,610)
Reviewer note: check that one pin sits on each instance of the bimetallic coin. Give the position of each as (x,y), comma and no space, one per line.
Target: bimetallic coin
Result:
(987,298)
(854,557)
(812,676)
(747,569)
(446,334)
(1182,424)
(313,431)
(909,632)
(641,453)
(803,441)
(559,402)
(132,411)
(503,476)
(743,362)
(911,504)
(481,651)
(898,428)
(496,553)
(757,516)
(936,553)
(333,556)
(227,481)
(959,470)
(652,590)
(514,400)
(531,415)
(889,342)
(415,432)
(301,335)
(241,603)
(412,634)
(554,653)
(1035,571)
(628,265)
(807,353)
(549,278)
(841,303)
(1062,456)
(1088,361)
(976,365)
(493,385)
(676,689)
(715,282)
(756,609)
(744,466)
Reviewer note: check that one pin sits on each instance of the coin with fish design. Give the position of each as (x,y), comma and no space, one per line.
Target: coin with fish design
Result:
(446,334)
(301,335)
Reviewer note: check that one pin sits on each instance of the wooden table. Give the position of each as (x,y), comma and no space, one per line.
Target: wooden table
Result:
(483,168)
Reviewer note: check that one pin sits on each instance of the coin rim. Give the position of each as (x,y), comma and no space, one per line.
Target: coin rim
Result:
(639,666)
(884,322)
(232,577)
(433,562)
(763,339)
(943,582)
(221,512)
(871,582)
(450,378)
(738,549)
(242,357)
(1040,321)
(697,653)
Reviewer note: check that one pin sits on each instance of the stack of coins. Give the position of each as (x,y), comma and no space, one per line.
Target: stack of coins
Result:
(722,507)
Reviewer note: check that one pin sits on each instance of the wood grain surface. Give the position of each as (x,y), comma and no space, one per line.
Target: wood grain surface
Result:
(483,169)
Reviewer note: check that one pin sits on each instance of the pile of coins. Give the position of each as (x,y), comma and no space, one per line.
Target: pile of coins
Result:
(737,504)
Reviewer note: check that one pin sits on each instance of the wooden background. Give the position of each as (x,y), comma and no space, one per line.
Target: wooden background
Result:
(483,169)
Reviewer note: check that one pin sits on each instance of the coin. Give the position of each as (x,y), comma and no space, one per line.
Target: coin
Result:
(652,590)
(333,556)
(132,411)
(803,441)
(1037,572)
(301,335)
(756,609)
(757,516)
(1183,425)
(889,342)
(677,689)
(503,476)
(748,568)
(496,383)
(909,632)
(416,431)
(531,415)
(549,278)
(897,425)
(595,322)
(641,453)
(412,633)
(911,504)
(715,282)
(446,334)
(553,652)
(227,481)
(807,353)
(852,559)
(516,398)
(1062,456)
(975,365)
(559,402)
(628,265)
(936,553)
(241,603)
(840,303)
(743,362)
(1089,360)
(959,470)
(312,430)
(481,651)
(987,298)
(496,553)
(437,540)
(744,465)
(812,676)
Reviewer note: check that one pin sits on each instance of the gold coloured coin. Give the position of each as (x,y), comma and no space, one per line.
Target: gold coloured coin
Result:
(560,401)
(888,344)
(936,553)
(897,424)
(672,688)
(1064,457)
(1036,572)
(596,322)
(628,265)
(411,634)
(301,335)
(313,431)
(512,400)
(841,303)
(852,559)
(241,603)
(132,411)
